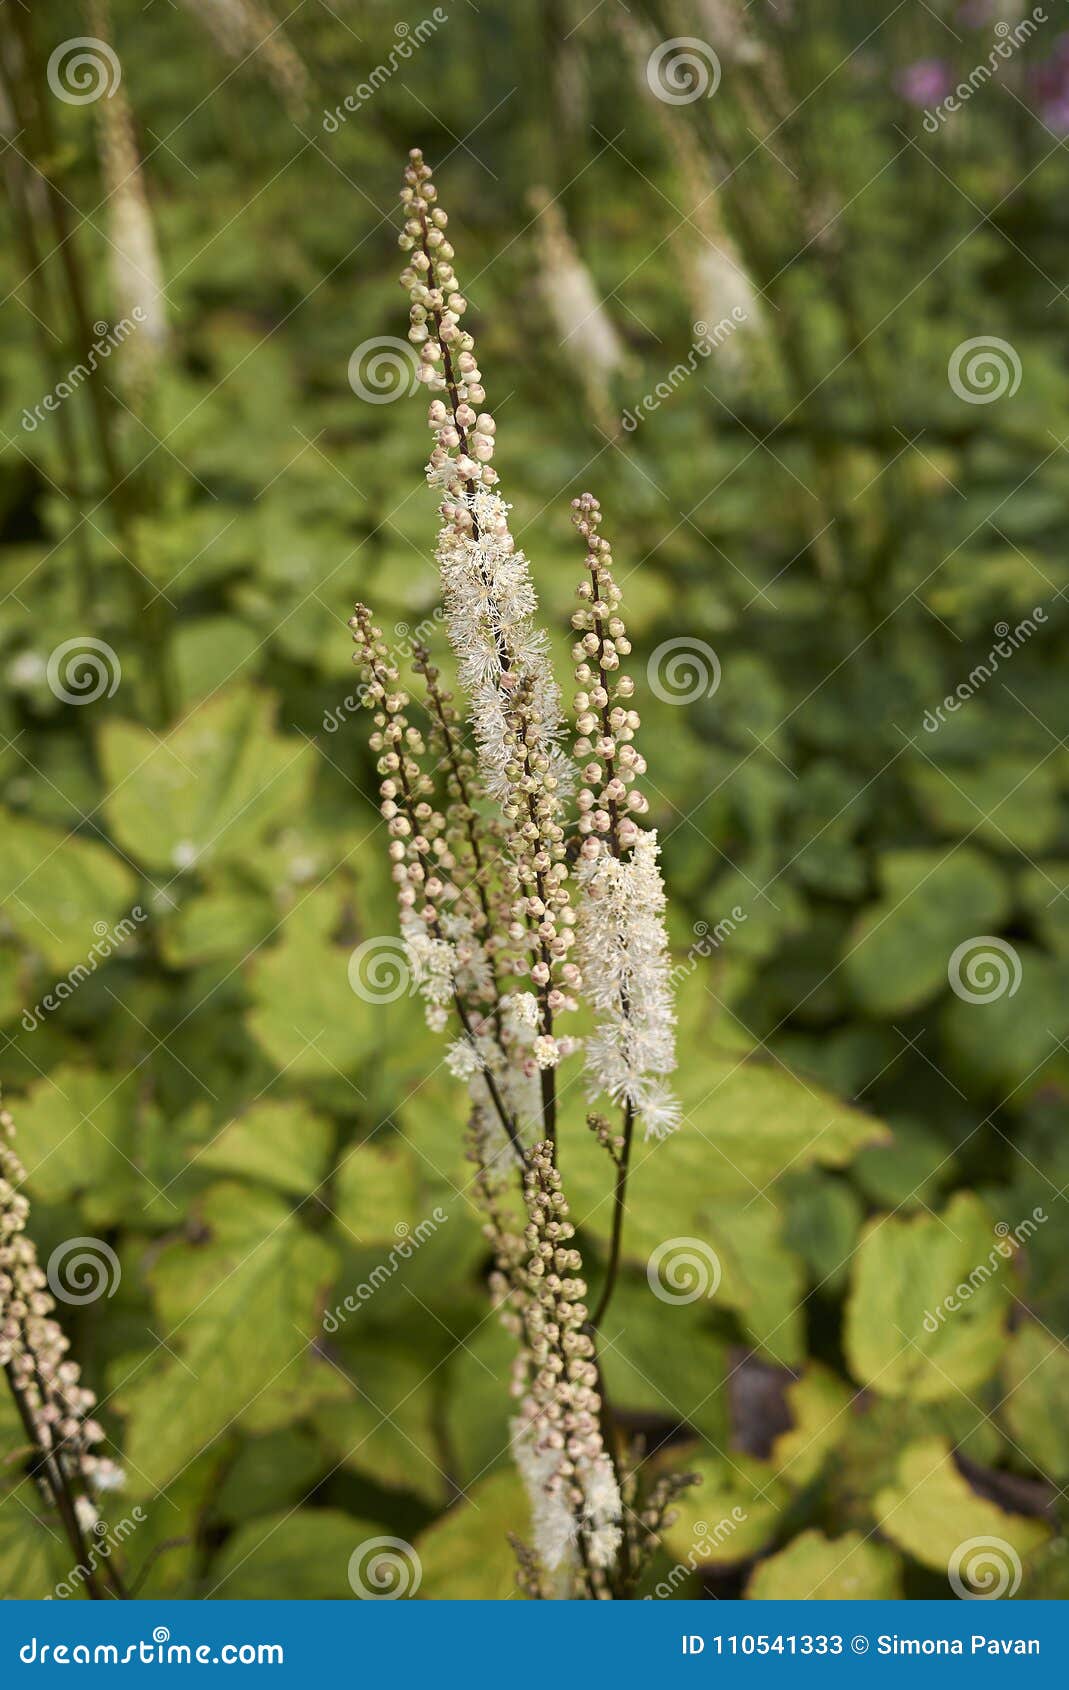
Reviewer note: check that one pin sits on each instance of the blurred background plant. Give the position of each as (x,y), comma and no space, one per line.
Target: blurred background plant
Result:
(746,273)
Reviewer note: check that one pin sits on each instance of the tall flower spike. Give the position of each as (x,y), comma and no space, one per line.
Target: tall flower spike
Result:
(623,946)
(54,1406)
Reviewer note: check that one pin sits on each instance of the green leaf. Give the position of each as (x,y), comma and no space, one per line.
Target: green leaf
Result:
(1045,895)
(210,652)
(63,895)
(225,923)
(819,1403)
(1011,803)
(304,1553)
(665,1358)
(871,1434)
(478,1403)
(79,1136)
(730,1516)
(12,994)
(208,789)
(1010,1042)
(34,1555)
(897,951)
(762,1278)
(754,1120)
(747,1121)
(1036,1408)
(375,1197)
(934,1516)
(466,1556)
(238,1309)
(268,1473)
(817,1568)
(327,1029)
(907,1173)
(387,1426)
(926,1313)
(281,1143)
(823,1220)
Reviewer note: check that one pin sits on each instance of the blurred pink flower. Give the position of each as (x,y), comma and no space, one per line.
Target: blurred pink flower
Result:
(1050,86)
(925,82)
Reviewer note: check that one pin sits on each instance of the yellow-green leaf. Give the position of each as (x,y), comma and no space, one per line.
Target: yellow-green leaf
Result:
(206,790)
(927,1302)
(817,1568)
(934,1516)
(1036,1408)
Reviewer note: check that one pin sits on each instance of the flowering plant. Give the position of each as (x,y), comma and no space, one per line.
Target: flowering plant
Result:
(53,1405)
(518,897)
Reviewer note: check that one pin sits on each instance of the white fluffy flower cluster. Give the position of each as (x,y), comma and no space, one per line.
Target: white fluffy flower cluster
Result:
(554,1527)
(490,603)
(623,952)
(433,963)
(554,1522)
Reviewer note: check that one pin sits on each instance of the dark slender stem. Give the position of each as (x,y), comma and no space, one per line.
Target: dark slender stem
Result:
(549,1100)
(618,1210)
(491,1084)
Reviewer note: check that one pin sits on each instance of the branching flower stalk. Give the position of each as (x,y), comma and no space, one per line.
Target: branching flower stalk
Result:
(513,903)
(45,1382)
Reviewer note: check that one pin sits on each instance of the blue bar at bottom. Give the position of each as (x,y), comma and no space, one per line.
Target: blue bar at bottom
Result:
(681,1643)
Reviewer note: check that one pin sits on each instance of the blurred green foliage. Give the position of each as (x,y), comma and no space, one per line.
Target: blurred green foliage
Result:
(825,511)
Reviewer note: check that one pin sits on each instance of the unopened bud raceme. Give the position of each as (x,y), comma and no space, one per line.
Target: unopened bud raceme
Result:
(623,945)
(56,1408)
